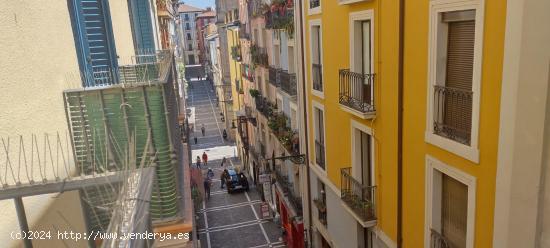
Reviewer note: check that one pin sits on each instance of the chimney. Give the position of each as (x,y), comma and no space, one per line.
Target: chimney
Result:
(209,9)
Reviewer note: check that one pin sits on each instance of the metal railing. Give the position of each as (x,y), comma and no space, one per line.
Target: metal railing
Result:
(288,189)
(357,91)
(247,72)
(453,113)
(437,240)
(359,197)
(288,83)
(320,153)
(259,55)
(264,106)
(317,75)
(314,3)
(236,53)
(321,204)
(243,32)
(274,76)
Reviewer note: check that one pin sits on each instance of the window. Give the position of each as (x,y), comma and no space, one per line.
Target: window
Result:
(96,57)
(450,206)
(186,17)
(316,57)
(321,202)
(319,129)
(143,27)
(454,76)
(314,7)
(187,26)
(356,84)
(191,59)
(188,36)
(190,47)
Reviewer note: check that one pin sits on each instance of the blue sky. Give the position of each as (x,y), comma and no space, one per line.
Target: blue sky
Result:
(200,3)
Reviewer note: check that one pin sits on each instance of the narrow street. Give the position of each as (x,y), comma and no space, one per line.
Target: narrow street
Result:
(225,220)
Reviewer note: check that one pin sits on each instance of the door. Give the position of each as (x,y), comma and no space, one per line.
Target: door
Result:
(95,43)
(366,61)
(142,27)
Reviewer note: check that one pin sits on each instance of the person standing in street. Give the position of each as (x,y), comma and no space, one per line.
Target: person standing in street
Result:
(207,183)
(198,162)
(224,160)
(223,177)
(205,158)
(203,130)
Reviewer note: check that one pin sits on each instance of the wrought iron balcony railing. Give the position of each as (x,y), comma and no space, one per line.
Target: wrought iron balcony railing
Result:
(236,53)
(259,55)
(438,241)
(247,72)
(275,76)
(321,205)
(288,189)
(320,153)
(288,83)
(453,113)
(358,197)
(357,91)
(317,75)
(243,32)
(264,106)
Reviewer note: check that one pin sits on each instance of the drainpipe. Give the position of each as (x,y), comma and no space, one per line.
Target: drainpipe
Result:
(400,126)
(306,143)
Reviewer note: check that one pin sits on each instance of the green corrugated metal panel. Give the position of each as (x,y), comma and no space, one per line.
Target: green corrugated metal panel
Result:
(102,112)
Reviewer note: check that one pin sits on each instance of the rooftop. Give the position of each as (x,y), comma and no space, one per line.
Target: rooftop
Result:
(182,8)
(207,14)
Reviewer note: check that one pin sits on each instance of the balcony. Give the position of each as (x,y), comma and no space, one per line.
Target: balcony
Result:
(243,32)
(438,241)
(288,189)
(247,72)
(358,198)
(289,139)
(320,153)
(264,106)
(236,53)
(453,113)
(274,76)
(288,83)
(281,16)
(239,86)
(321,205)
(259,56)
(356,93)
(317,75)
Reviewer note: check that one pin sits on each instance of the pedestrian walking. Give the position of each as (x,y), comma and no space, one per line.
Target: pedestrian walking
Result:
(207,183)
(223,177)
(224,134)
(210,174)
(224,160)
(195,139)
(198,162)
(203,130)
(205,158)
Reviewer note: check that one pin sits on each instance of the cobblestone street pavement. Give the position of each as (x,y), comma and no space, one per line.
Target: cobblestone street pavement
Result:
(225,220)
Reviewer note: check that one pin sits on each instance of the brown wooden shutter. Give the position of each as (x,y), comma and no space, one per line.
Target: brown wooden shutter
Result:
(454,211)
(459,72)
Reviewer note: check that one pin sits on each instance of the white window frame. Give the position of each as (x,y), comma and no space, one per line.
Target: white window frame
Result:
(316,22)
(360,16)
(437,7)
(356,157)
(316,10)
(317,105)
(434,166)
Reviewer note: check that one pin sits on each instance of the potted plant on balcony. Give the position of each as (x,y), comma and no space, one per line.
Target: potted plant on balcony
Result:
(254,93)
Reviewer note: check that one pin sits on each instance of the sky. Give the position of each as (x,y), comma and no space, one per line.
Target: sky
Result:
(200,3)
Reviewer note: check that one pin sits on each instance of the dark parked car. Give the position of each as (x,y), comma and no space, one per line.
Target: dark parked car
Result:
(236,181)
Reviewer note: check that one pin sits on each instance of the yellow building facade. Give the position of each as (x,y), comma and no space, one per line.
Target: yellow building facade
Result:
(449,154)
(452,70)
(351,66)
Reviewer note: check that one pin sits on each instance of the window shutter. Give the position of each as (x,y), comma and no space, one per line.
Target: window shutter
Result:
(454,211)
(460,55)
(458,84)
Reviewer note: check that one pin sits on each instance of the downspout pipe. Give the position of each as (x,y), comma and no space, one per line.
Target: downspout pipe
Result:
(400,126)
(306,143)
